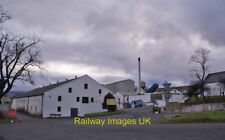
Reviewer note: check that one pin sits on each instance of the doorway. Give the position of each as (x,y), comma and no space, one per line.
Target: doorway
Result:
(74,112)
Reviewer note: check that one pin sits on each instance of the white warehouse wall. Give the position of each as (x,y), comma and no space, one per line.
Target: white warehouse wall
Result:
(14,104)
(22,103)
(32,105)
(69,100)
(214,89)
(35,105)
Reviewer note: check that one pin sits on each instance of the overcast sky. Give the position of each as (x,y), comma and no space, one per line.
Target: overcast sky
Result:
(103,38)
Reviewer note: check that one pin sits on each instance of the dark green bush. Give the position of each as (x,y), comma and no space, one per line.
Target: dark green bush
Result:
(111,108)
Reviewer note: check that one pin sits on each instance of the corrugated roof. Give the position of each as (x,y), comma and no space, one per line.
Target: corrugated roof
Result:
(42,90)
(215,77)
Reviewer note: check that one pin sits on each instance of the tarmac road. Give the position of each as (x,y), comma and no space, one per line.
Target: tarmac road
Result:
(65,129)
(57,129)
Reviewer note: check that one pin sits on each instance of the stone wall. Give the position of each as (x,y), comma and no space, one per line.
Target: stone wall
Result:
(196,108)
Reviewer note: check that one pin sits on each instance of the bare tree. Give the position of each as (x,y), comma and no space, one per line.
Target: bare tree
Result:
(193,90)
(4,15)
(18,57)
(200,58)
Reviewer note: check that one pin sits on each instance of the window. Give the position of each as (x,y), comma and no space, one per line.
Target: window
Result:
(59,98)
(70,90)
(119,101)
(127,99)
(85,86)
(100,91)
(85,100)
(92,99)
(35,108)
(78,99)
(59,109)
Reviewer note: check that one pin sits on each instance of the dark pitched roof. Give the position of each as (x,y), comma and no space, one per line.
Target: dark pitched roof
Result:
(215,77)
(40,91)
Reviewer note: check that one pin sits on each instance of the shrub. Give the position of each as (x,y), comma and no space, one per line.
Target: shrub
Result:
(109,107)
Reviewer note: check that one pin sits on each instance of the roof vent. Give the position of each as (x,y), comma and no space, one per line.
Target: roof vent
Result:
(75,77)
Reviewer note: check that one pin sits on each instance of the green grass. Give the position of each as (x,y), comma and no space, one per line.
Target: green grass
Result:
(175,104)
(206,116)
(210,99)
(103,113)
(194,101)
(7,120)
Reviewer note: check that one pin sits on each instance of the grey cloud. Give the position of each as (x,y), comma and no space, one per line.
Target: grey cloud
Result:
(112,31)
(207,18)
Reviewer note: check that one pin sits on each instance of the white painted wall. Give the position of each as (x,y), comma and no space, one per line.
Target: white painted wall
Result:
(35,105)
(145,98)
(161,103)
(32,105)
(176,97)
(22,103)
(14,104)
(121,98)
(69,100)
(214,89)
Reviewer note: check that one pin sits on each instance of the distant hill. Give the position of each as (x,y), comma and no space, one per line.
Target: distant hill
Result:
(15,92)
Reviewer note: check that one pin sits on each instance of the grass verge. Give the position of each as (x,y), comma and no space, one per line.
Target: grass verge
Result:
(198,117)
(7,120)
(103,113)
(209,99)
(175,104)
(199,100)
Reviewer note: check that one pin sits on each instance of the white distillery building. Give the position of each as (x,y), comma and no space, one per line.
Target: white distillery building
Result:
(178,94)
(129,97)
(125,92)
(216,83)
(122,86)
(74,97)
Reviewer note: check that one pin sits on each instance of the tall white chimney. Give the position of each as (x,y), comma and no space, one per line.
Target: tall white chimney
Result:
(139,75)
